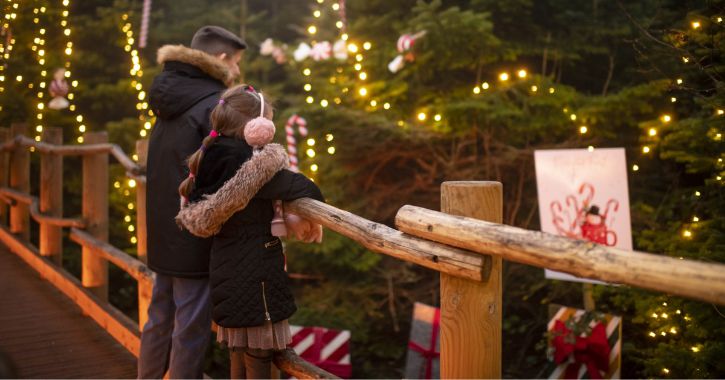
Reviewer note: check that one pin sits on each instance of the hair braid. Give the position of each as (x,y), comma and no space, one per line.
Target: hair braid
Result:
(187,186)
(237,106)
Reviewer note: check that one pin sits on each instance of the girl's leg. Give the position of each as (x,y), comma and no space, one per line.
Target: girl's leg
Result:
(237,370)
(258,363)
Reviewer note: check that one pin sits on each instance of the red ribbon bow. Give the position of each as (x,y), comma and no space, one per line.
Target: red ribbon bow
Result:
(592,351)
(430,353)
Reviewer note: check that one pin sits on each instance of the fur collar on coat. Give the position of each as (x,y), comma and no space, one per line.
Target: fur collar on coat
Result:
(206,217)
(207,63)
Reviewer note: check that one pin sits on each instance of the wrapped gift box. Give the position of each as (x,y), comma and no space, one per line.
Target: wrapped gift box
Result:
(606,333)
(423,360)
(326,348)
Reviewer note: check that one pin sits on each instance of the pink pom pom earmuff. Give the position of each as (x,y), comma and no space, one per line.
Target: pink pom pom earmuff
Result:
(259,131)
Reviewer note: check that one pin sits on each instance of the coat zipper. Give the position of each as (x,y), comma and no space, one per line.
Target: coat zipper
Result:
(264,299)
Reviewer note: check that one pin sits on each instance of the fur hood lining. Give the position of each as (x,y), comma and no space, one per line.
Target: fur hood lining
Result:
(208,63)
(206,217)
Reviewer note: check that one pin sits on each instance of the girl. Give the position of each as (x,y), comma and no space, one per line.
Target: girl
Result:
(229,195)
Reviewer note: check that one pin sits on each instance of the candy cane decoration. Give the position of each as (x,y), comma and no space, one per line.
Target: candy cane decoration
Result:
(343,15)
(145,24)
(291,141)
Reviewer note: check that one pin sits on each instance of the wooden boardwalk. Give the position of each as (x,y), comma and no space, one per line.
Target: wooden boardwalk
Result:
(46,335)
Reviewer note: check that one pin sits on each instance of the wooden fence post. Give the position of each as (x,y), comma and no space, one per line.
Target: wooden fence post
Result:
(51,197)
(471,310)
(95,213)
(20,181)
(4,173)
(144,287)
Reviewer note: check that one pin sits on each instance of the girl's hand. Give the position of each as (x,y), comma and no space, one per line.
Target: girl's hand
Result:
(303,229)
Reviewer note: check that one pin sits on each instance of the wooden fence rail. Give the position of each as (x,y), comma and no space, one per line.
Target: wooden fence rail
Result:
(90,231)
(464,242)
(687,278)
(383,239)
(13,197)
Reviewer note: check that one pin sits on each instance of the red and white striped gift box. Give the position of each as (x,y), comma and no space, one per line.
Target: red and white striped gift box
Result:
(614,337)
(326,348)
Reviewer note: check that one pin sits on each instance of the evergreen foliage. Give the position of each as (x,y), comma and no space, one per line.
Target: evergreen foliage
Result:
(610,66)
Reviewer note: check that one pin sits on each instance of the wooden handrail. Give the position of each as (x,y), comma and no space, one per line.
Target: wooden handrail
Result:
(128,263)
(289,362)
(11,195)
(17,196)
(134,170)
(91,301)
(383,239)
(687,278)
(454,245)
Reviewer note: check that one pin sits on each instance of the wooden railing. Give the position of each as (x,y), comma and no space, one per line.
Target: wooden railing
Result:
(465,243)
(471,300)
(90,230)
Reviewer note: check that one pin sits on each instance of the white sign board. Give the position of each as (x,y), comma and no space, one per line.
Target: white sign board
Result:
(584,195)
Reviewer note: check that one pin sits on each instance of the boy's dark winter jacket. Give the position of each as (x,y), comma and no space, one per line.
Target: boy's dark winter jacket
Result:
(181,97)
(233,201)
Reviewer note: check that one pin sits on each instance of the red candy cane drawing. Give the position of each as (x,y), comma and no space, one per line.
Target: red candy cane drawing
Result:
(580,218)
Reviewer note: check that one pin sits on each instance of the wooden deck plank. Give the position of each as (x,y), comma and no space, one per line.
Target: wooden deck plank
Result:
(47,336)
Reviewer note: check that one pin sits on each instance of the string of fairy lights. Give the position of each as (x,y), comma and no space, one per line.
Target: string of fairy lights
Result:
(6,45)
(340,24)
(41,52)
(145,117)
(670,322)
(41,55)
(68,52)
(667,317)
(652,132)
(136,72)
(39,48)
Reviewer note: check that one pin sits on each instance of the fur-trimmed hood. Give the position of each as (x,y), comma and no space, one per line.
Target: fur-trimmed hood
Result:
(206,217)
(205,62)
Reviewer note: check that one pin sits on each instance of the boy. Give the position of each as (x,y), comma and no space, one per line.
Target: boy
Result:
(176,335)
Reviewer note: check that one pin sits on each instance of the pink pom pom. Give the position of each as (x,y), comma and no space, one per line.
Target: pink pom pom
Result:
(259,132)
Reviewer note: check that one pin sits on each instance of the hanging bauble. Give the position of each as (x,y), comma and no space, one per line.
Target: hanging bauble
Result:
(396,64)
(277,52)
(267,47)
(303,51)
(339,50)
(58,90)
(321,51)
(404,45)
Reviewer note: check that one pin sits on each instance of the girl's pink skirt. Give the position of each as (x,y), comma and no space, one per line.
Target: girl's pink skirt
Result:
(268,336)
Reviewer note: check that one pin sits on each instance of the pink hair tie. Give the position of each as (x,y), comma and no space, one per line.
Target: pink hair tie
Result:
(221,101)
(214,133)
(191,175)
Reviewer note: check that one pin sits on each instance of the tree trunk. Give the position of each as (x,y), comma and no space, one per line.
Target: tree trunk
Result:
(610,72)
(544,58)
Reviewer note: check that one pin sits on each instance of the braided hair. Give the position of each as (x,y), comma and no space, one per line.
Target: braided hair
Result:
(237,106)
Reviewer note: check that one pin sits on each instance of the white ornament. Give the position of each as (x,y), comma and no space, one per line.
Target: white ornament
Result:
(303,51)
(267,47)
(321,51)
(58,103)
(396,64)
(279,54)
(339,50)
